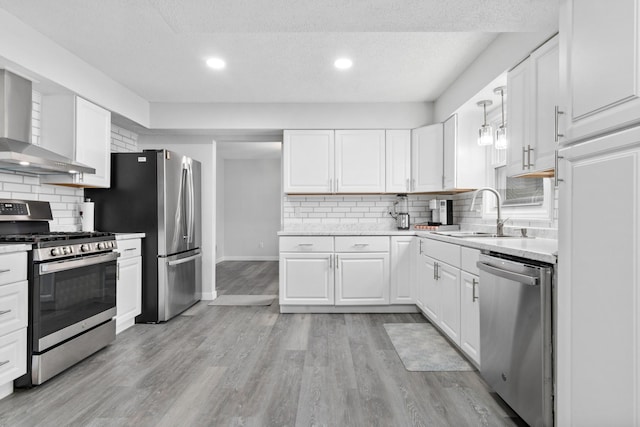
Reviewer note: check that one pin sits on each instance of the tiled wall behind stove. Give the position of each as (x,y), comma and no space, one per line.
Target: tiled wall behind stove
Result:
(64,201)
(349,212)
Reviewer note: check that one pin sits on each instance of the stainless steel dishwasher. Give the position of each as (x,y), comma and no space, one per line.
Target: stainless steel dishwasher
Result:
(516,334)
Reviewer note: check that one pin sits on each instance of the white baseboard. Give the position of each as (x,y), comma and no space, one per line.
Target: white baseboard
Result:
(248,258)
(209,296)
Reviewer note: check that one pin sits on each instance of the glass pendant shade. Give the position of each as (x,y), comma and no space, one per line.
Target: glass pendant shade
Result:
(485,133)
(501,133)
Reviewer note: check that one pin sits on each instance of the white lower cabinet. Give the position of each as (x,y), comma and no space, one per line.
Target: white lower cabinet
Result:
(306,279)
(403,270)
(13,319)
(355,273)
(470,316)
(128,283)
(447,292)
(362,278)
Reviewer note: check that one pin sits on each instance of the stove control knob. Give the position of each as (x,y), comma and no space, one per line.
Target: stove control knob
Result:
(100,246)
(55,251)
(66,250)
(70,249)
(85,248)
(112,244)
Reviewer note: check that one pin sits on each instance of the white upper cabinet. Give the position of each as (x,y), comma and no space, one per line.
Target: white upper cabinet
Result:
(398,161)
(600,51)
(360,161)
(308,161)
(79,130)
(532,99)
(426,157)
(450,141)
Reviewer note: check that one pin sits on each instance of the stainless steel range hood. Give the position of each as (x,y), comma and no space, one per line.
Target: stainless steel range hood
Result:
(16,151)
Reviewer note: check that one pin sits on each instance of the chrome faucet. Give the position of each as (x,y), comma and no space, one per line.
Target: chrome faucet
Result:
(499,221)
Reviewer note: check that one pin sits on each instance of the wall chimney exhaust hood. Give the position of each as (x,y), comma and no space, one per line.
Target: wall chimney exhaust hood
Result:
(16,151)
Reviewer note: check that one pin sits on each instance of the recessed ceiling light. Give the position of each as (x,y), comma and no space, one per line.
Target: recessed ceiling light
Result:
(343,63)
(216,63)
(24,163)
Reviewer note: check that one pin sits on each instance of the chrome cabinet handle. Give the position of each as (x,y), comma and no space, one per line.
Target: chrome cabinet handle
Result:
(4,363)
(305,244)
(474,297)
(130,249)
(330,262)
(436,274)
(413,184)
(337,263)
(330,185)
(420,249)
(6,270)
(337,185)
(529,150)
(557,135)
(360,245)
(118,271)
(524,153)
(5,312)
(408,186)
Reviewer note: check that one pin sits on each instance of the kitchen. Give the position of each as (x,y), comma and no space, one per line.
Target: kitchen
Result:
(598,109)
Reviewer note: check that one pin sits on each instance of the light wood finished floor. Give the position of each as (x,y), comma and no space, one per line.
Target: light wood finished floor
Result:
(251,366)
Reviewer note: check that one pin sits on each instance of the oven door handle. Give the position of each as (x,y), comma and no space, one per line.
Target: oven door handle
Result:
(53,267)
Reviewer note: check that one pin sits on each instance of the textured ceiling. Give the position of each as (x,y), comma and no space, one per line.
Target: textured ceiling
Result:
(282,51)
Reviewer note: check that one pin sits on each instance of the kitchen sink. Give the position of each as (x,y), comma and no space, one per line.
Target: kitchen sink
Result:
(463,234)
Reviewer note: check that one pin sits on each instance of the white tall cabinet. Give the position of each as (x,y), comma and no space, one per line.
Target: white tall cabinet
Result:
(598,316)
(600,65)
(599,283)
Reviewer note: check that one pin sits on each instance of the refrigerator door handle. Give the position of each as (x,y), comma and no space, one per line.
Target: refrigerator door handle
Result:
(192,206)
(183,260)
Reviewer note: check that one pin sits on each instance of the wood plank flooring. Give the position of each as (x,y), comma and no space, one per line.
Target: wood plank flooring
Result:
(251,366)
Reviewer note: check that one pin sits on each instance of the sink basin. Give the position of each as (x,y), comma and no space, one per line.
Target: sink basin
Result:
(463,234)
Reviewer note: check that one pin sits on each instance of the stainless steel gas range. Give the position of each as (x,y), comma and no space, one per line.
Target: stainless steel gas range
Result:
(72,289)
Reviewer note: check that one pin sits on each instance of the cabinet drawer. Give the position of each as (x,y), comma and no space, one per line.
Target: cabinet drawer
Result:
(362,244)
(13,307)
(469,258)
(445,252)
(129,248)
(13,355)
(13,267)
(306,244)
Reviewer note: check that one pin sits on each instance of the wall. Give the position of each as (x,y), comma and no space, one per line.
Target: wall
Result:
(252,194)
(291,116)
(352,212)
(203,149)
(220,226)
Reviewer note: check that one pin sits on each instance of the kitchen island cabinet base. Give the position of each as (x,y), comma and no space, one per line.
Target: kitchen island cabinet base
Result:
(399,308)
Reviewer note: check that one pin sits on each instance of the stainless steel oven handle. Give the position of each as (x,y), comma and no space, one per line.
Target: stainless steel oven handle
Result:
(505,274)
(54,267)
(183,260)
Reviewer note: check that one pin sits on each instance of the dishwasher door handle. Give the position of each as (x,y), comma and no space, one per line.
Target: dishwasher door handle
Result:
(505,274)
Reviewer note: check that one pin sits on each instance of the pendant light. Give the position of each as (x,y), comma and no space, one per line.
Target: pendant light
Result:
(485,133)
(501,133)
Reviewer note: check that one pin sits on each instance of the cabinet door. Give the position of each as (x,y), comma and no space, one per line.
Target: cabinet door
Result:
(306,279)
(403,275)
(421,275)
(544,63)
(93,142)
(128,292)
(448,283)
(430,290)
(426,157)
(360,161)
(470,316)
(362,278)
(519,116)
(599,274)
(398,161)
(308,161)
(600,53)
(450,139)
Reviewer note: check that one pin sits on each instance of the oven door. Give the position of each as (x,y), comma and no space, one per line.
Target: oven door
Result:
(71,296)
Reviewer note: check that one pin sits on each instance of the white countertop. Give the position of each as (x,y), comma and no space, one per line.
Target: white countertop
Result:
(538,249)
(127,236)
(14,247)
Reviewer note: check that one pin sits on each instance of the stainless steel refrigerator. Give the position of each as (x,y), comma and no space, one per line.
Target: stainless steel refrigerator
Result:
(157,192)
